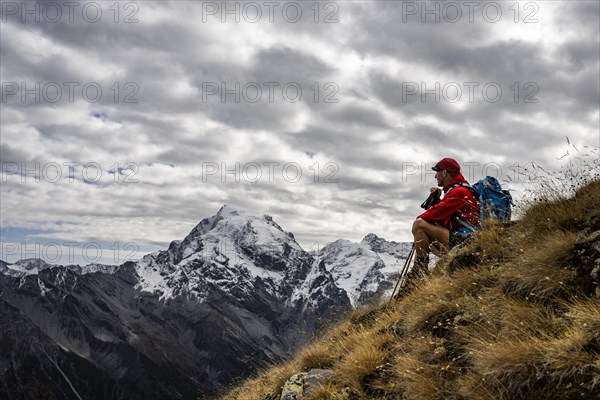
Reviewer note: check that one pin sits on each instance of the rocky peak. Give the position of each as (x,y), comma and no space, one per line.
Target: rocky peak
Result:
(30,264)
(364,270)
(229,211)
(371,237)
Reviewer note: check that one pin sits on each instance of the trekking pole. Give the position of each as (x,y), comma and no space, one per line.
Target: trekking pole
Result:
(432,200)
(403,273)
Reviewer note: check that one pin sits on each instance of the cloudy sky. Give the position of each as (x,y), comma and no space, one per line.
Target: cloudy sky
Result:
(124,124)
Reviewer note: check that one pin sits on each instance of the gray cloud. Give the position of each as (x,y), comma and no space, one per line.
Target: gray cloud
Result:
(373,135)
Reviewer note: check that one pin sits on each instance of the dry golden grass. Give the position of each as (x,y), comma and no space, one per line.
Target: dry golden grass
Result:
(365,355)
(553,212)
(268,383)
(321,356)
(540,272)
(330,392)
(504,317)
(416,378)
(490,241)
(325,352)
(513,366)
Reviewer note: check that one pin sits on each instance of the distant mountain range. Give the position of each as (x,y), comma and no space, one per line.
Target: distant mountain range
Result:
(236,294)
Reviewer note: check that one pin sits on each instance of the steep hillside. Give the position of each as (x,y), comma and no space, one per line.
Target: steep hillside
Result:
(514,314)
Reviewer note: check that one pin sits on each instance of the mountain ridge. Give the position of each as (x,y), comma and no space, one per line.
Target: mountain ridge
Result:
(238,292)
(237,224)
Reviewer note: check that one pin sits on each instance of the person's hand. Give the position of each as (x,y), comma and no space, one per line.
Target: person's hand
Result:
(433,199)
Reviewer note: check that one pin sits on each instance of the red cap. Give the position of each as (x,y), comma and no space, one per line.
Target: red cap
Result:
(449,164)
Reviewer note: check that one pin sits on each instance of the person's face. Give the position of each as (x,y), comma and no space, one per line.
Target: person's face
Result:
(441,177)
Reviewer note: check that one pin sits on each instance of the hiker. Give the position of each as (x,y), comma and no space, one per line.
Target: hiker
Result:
(442,225)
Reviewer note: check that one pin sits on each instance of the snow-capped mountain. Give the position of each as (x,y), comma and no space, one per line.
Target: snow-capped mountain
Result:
(33,266)
(236,293)
(231,249)
(366,271)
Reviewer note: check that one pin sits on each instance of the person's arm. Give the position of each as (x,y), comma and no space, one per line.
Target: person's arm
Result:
(442,212)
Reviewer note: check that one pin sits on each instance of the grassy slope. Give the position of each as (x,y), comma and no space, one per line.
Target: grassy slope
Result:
(511,315)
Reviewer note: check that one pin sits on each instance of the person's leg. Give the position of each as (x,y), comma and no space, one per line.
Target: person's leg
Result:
(427,237)
(430,237)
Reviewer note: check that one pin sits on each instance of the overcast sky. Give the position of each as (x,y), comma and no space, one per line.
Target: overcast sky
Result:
(130,122)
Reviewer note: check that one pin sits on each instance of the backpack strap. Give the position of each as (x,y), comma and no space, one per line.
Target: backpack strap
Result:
(475,195)
(473,191)
(463,223)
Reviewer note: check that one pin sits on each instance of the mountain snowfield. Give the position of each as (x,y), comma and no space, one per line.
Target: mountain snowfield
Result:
(234,248)
(366,269)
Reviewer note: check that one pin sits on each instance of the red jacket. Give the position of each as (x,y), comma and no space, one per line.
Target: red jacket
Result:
(458,201)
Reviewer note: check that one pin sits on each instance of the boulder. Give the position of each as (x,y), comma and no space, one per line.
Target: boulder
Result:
(301,386)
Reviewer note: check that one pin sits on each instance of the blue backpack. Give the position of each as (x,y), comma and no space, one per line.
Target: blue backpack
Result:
(494,203)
